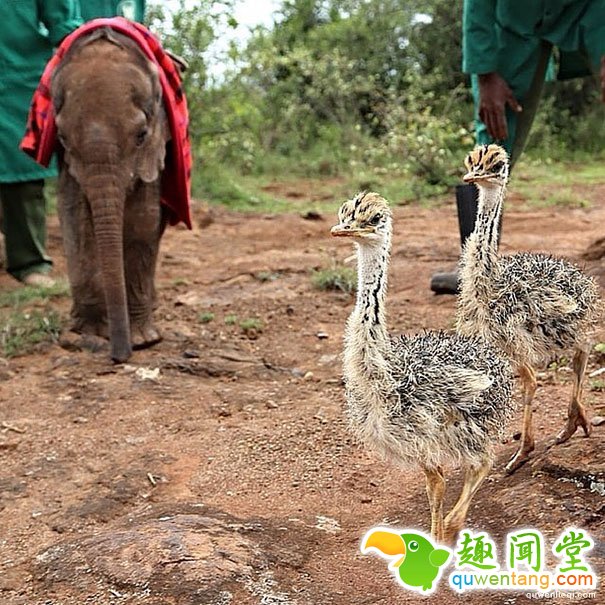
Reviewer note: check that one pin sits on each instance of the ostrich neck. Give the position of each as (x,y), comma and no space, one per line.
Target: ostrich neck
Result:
(367,344)
(480,256)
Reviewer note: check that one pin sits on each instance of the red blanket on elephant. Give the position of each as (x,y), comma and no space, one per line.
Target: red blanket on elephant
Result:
(40,138)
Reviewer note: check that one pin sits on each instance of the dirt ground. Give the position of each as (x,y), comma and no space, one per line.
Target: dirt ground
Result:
(216,467)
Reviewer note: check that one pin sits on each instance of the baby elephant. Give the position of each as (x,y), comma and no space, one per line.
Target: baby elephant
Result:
(113,130)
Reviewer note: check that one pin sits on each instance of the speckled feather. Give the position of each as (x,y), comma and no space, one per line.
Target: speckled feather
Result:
(530,305)
(430,399)
(453,401)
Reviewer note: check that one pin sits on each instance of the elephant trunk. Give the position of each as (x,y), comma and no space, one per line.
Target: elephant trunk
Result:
(107,198)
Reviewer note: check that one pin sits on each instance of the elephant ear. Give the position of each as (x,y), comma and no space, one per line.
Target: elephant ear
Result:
(152,153)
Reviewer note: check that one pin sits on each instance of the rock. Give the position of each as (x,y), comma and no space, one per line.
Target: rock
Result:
(189,299)
(313,215)
(186,554)
(326,360)
(148,374)
(322,335)
(598,420)
(12,580)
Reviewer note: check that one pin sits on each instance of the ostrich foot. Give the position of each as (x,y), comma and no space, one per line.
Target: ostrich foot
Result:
(576,419)
(520,458)
(144,336)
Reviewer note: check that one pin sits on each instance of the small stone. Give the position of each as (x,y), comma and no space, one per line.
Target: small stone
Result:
(148,374)
(322,335)
(189,299)
(309,376)
(297,372)
(271,405)
(290,310)
(325,360)
(80,420)
(366,500)
(191,355)
(313,215)
(598,420)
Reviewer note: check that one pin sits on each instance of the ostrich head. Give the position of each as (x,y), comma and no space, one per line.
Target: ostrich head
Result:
(487,165)
(366,217)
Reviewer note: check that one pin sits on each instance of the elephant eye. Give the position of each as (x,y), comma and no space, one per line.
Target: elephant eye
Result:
(413,546)
(141,136)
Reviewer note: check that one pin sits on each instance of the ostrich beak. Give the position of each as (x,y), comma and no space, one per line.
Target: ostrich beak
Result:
(346,231)
(472,177)
(387,543)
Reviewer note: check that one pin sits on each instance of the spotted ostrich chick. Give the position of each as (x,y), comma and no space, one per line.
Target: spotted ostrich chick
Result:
(531,306)
(427,400)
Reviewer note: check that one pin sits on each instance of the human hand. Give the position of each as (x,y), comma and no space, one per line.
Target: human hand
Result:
(494,95)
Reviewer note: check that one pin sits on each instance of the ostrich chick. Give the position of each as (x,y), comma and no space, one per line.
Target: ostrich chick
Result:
(427,400)
(531,306)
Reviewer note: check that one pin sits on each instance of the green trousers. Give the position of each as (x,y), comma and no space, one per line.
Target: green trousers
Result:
(24,228)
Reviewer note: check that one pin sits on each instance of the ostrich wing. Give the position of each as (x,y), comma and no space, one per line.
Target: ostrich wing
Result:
(465,384)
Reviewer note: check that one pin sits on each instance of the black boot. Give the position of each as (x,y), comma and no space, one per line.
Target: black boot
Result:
(466,201)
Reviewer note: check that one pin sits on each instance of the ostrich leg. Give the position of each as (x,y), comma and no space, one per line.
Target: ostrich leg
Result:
(473,478)
(435,488)
(576,416)
(528,379)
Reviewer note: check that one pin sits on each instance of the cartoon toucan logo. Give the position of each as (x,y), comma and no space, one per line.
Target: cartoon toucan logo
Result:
(415,561)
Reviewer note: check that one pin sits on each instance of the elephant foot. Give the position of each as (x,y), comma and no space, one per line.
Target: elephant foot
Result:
(144,336)
(91,328)
(70,341)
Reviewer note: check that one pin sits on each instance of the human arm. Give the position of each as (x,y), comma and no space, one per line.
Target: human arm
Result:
(60,17)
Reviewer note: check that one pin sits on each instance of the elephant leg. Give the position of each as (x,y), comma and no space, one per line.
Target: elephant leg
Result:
(89,313)
(143,227)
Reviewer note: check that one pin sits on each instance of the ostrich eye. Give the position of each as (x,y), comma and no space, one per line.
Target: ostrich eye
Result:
(141,136)
(374,220)
(413,546)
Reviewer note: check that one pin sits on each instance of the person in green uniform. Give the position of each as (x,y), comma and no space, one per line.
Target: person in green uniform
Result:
(131,9)
(29,30)
(507,50)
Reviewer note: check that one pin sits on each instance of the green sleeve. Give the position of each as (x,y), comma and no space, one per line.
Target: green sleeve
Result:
(60,17)
(479,43)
